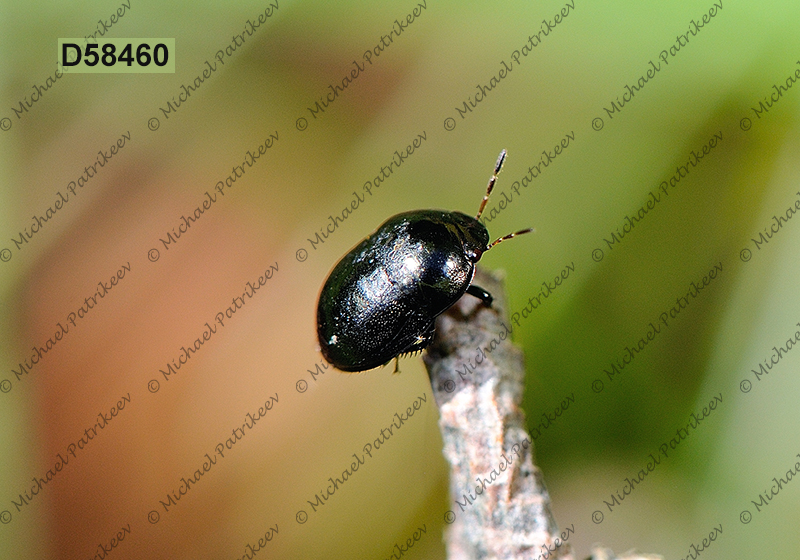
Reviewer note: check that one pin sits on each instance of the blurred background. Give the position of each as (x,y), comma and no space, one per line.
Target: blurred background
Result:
(415,84)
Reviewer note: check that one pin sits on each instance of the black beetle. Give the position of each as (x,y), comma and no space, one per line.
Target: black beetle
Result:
(381,300)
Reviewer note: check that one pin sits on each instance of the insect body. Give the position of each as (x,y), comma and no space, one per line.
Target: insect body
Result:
(382,299)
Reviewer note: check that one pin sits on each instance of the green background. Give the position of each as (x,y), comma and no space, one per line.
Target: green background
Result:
(413,86)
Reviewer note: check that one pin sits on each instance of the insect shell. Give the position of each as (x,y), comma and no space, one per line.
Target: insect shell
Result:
(382,298)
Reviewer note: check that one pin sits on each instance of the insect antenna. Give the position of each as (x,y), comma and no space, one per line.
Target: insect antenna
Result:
(497,168)
(509,236)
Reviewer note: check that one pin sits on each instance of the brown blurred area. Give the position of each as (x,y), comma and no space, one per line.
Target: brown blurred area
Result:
(133,464)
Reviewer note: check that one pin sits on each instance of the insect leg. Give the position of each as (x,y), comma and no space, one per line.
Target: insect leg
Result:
(481,294)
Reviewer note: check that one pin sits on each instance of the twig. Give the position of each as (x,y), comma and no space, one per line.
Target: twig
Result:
(500,504)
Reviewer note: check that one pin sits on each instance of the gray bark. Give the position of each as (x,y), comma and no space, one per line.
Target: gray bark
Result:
(501,508)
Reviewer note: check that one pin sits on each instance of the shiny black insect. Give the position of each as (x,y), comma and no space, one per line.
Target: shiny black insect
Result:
(381,300)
